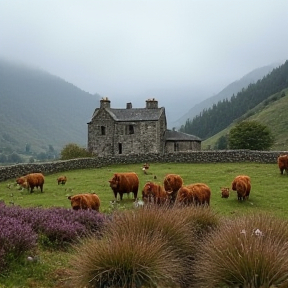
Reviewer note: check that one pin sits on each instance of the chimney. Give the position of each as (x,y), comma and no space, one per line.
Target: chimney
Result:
(151,103)
(105,102)
(129,105)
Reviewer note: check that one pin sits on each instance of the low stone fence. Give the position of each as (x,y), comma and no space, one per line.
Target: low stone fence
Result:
(222,156)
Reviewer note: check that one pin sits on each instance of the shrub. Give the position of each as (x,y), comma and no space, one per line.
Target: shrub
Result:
(16,238)
(57,226)
(144,247)
(249,251)
(72,151)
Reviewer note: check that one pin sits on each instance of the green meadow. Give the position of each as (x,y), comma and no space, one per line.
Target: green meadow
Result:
(269,189)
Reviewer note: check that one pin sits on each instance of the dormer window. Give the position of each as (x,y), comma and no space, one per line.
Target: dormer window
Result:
(103,130)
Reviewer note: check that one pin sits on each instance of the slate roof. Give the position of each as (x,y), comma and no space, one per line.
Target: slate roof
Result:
(134,114)
(180,136)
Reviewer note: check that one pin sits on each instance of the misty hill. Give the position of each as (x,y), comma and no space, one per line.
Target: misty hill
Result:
(227,92)
(41,110)
(222,114)
(270,112)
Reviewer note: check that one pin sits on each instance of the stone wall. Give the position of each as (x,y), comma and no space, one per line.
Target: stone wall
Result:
(225,156)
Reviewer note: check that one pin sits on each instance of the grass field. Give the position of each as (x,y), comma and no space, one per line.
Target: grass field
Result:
(269,193)
(269,188)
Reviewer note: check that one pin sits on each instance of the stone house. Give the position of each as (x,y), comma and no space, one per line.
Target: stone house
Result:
(114,131)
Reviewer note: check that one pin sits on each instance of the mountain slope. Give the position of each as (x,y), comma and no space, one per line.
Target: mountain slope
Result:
(215,119)
(40,109)
(272,113)
(227,92)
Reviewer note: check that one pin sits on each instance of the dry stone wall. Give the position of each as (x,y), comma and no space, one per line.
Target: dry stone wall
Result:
(224,156)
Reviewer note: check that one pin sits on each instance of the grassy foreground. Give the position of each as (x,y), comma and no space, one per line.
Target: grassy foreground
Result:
(268,195)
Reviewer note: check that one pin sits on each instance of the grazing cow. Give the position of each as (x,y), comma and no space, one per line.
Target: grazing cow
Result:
(154,193)
(242,185)
(225,192)
(282,161)
(124,183)
(85,201)
(194,194)
(33,180)
(172,183)
(62,180)
(22,182)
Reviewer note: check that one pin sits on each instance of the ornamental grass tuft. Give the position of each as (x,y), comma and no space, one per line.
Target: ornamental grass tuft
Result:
(147,247)
(249,251)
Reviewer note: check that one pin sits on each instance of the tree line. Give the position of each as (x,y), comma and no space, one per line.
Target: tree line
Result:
(213,120)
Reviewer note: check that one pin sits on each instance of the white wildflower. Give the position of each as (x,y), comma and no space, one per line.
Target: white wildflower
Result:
(259,233)
(243,231)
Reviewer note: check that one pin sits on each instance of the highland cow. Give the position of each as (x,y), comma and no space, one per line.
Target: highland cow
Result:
(242,185)
(225,191)
(33,180)
(282,161)
(124,183)
(194,194)
(154,193)
(85,201)
(172,183)
(62,180)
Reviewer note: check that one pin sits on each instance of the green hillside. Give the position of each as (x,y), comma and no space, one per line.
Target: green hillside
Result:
(271,112)
(213,120)
(40,112)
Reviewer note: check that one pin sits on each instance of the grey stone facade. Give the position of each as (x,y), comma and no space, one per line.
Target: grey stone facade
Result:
(113,132)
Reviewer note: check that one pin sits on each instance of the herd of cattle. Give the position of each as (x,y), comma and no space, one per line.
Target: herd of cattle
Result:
(172,191)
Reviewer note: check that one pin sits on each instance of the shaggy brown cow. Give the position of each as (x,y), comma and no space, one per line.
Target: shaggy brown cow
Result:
(85,201)
(155,193)
(172,183)
(194,194)
(124,183)
(242,185)
(62,180)
(225,192)
(22,182)
(33,180)
(282,161)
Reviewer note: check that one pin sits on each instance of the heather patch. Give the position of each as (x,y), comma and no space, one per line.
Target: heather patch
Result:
(16,238)
(55,227)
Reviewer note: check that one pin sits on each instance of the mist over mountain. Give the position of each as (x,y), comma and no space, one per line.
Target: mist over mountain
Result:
(227,92)
(41,110)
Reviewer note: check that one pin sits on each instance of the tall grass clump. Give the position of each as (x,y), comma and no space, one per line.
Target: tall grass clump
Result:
(250,252)
(147,247)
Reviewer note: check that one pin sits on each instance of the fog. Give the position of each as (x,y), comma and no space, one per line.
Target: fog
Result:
(177,51)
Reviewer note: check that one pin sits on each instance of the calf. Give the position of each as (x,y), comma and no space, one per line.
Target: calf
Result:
(62,180)
(225,192)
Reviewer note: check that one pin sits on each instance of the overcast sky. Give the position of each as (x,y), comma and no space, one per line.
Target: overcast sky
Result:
(131,49)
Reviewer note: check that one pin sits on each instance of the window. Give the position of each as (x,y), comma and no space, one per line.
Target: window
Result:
(130,129)
(176,146)
(120,148)
(103,132)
